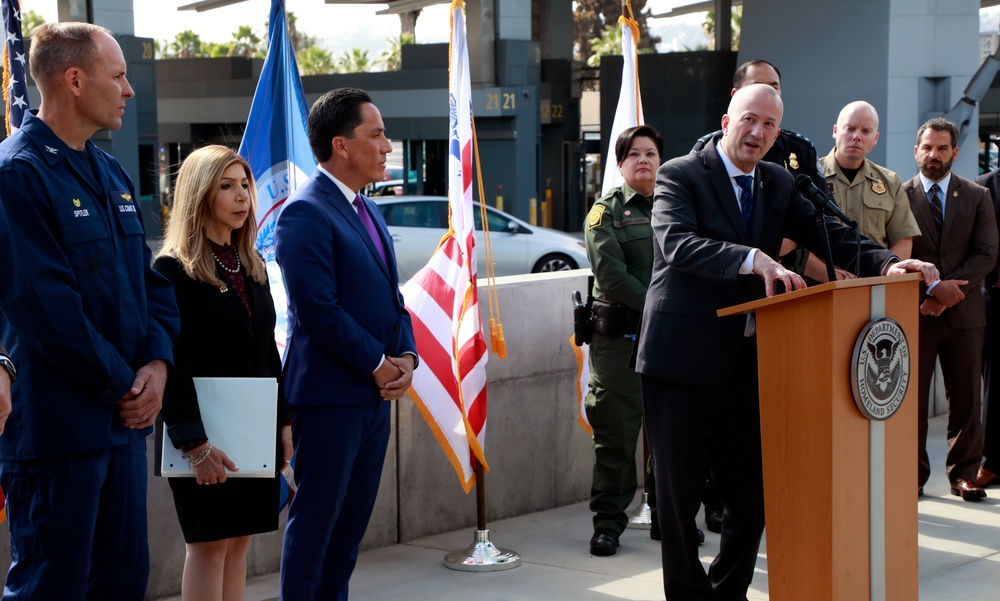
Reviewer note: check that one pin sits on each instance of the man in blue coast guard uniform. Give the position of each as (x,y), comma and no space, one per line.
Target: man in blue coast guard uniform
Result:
(90,327)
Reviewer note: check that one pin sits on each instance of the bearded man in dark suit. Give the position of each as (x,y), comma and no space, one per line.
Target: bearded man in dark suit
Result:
(959,235)
(715,233)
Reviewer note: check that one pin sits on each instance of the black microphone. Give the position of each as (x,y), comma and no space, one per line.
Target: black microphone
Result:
(821,199)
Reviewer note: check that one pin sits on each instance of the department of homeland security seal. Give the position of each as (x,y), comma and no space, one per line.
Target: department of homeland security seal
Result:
(880,369)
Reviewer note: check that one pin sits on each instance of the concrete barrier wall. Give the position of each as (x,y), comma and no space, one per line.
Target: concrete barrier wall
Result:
(538,455)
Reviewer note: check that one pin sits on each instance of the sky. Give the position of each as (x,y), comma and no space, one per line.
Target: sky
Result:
(338,26)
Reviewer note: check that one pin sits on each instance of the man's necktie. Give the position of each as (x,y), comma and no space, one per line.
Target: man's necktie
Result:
(937,211)
(366,220)
(745,182)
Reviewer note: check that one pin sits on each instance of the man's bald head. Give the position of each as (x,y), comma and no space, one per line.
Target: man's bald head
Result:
(751,125)
(855,134)
(859,109)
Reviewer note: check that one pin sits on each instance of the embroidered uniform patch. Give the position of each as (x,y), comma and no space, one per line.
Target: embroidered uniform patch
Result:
(595,217)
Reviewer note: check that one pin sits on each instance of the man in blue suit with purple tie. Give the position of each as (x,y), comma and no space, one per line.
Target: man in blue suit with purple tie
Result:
(350,349)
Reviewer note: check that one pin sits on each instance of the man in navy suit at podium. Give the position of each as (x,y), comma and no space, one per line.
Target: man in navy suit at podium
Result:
(350,350)
(719,215)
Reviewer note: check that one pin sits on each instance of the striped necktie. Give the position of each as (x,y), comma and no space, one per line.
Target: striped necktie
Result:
(745,182)
(937,211)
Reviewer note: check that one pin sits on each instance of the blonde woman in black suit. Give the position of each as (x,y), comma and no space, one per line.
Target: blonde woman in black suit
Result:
(227,330)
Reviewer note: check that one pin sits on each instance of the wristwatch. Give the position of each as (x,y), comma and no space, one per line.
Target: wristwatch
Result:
(7,364)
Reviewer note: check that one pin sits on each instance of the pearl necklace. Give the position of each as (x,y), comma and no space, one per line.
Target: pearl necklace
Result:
(223,265)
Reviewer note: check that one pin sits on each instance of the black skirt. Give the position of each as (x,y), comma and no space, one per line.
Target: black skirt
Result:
(237,507)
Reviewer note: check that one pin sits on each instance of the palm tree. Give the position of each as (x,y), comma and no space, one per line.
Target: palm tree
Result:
(245,43)
(610,42)
(315,61)
(392,59)
(354,60)
(186,44)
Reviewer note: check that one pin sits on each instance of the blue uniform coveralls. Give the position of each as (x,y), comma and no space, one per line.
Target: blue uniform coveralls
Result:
(82,311)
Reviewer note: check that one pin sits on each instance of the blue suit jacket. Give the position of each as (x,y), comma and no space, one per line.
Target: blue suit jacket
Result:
(83,309)
(344,306)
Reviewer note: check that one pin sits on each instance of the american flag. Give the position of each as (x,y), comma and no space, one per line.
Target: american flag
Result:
(15,83)
(449,389)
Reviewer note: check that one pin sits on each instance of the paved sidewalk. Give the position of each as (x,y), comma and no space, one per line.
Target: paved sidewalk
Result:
(959,557)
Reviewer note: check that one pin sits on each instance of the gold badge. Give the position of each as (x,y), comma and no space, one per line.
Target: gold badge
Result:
(878,186)
(595,217)
(127,197)
(793,161)
(76,202)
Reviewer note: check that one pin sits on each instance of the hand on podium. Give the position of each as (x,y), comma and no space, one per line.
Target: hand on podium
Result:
(771,272)
(928,270)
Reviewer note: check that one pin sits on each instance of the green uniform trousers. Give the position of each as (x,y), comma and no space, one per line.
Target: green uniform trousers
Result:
(614,410)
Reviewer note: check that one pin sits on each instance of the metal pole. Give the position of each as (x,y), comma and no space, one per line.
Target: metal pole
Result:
(481,555)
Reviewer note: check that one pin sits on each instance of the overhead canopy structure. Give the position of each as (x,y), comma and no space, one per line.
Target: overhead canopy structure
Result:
(394,7)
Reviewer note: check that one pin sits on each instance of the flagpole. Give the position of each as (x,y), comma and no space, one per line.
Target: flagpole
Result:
(482,555)
(642,516)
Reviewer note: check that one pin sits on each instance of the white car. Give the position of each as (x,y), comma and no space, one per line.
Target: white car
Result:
(417,224)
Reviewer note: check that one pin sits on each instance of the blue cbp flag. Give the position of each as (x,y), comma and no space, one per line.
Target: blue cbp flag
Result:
(15,84)
(276,145)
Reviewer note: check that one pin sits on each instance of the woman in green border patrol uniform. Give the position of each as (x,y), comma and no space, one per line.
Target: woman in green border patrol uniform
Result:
(620,248)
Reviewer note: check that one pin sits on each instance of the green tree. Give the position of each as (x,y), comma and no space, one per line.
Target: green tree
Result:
(217,49)
(354,60)
(609,43)
(315,61)
(186,44)
(737,22)
(591,17)
(246,43)
(29,21)
(391,59)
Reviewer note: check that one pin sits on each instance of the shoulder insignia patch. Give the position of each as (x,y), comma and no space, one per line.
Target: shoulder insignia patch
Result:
(595,216)
(878,186)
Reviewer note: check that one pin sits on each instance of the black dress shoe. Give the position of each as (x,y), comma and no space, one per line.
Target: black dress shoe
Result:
(968,491)
(701,536)
(604,542)
(713,518)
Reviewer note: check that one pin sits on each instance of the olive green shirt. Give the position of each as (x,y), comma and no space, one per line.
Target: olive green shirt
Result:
(875,199)
(619,238)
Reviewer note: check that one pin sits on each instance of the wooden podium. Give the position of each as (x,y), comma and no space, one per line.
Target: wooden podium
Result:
(840,489)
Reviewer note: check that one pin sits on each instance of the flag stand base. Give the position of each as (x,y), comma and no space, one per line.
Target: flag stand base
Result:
(482,556)
(642,515)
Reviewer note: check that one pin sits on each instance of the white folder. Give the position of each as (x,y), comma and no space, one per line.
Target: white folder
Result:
(240,417)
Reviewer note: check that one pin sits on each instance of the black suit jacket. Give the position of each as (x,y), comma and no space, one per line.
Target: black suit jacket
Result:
(218,339)
(700,243)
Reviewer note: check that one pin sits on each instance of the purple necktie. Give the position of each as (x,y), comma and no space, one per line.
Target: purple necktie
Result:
(366,221)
